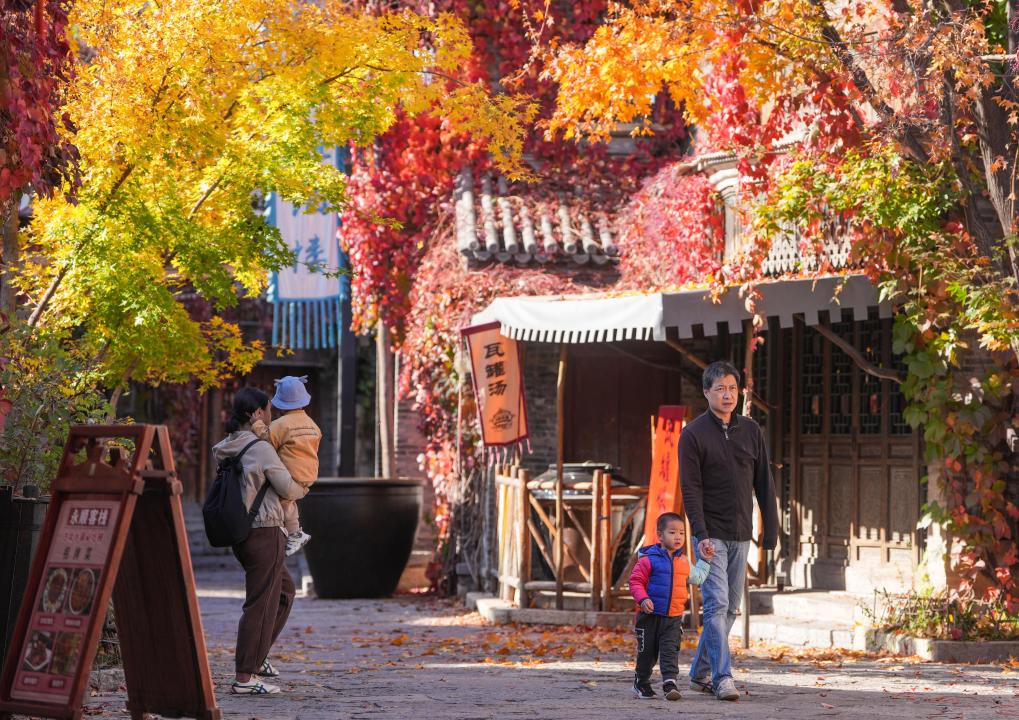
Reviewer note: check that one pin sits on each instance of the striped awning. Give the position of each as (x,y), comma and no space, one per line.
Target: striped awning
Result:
(601,318)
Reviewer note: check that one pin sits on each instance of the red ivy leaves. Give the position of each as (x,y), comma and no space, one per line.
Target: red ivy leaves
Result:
(671,231)
(33,68)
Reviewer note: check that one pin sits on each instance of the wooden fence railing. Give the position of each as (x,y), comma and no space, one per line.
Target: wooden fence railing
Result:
(605,519)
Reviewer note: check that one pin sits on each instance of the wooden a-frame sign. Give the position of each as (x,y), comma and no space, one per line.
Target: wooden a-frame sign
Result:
(114,527)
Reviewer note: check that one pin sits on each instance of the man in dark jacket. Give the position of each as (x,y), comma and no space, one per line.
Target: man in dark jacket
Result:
(723,464)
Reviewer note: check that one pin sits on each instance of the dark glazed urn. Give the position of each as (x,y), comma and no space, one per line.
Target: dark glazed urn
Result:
(362,532)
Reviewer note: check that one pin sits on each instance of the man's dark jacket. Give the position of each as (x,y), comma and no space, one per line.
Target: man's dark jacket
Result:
(719,469)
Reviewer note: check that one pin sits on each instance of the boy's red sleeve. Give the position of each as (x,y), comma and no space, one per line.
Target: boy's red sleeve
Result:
(638,579)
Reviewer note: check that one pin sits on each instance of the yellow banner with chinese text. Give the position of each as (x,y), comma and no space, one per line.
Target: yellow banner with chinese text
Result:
(498,385)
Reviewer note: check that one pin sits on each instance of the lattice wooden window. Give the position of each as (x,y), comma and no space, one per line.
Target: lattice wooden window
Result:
(871,395)
(812,379)
(841,382)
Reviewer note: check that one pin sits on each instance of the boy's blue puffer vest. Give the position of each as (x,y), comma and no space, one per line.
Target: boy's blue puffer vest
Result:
(667,584)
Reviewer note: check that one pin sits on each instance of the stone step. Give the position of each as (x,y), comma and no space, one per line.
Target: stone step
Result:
(831,606)
(799,631)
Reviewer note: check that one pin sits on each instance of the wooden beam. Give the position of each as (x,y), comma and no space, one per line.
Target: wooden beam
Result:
(857,357)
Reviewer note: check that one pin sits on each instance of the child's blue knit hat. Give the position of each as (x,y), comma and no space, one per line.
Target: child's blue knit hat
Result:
(291,393)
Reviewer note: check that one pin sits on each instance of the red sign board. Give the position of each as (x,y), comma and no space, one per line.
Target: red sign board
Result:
(663,491)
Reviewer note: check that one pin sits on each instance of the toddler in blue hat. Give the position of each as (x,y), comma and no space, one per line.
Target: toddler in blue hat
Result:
(296,438)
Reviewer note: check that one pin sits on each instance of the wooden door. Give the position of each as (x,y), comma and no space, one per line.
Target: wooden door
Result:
(611,397)
(853,464)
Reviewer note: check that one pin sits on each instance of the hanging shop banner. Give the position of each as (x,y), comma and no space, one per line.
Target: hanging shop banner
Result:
(663,491)
(498,385)
(306,295)
(114,530)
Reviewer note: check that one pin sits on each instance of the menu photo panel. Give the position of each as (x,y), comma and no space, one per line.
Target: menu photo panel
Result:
(65,604)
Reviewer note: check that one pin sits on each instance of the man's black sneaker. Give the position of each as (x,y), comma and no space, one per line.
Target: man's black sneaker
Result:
(671,690)
(642,690)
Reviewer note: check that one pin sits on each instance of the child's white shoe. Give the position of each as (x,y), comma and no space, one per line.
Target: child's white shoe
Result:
(296,541)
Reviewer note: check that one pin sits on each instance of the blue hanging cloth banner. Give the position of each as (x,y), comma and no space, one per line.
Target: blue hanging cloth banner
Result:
(307,296)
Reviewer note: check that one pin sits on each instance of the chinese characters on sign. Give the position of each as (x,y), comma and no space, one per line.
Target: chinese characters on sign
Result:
(498,385)
(63,607)
(663,492)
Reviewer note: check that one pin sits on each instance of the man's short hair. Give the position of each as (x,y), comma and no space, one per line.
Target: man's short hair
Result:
(665,518)
(716,371)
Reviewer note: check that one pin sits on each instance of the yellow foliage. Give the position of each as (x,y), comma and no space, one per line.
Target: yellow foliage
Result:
(183,109)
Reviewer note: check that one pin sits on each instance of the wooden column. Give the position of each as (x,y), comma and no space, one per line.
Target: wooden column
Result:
(606,546)
(748,391)
(596,560)
(524,575)
(560,445)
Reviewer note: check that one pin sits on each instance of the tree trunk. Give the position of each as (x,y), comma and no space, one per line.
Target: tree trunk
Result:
(10,254)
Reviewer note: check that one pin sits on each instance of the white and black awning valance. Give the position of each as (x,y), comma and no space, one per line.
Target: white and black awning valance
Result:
(602,318)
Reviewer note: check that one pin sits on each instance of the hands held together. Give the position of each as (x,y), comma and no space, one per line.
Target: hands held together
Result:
(706,549)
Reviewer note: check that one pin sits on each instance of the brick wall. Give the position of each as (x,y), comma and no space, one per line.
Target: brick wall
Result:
(410,442)
(541,370)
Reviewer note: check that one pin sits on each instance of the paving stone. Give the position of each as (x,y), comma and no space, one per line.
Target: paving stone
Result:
(416,657)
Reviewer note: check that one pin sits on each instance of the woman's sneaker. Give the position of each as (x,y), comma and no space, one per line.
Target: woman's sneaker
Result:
(296,541)
(671,690)
(727,690)
(642,690)
(267,670)
(254,686)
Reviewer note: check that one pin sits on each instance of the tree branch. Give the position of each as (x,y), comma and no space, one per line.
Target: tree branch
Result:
(857,357)
(841,50)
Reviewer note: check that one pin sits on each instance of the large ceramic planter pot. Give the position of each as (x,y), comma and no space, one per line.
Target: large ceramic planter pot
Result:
(362,532)
(21,520)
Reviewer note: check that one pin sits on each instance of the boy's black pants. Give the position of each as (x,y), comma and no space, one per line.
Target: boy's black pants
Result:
(658,639)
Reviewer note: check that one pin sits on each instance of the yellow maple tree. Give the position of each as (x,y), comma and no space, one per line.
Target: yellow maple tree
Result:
(181,111)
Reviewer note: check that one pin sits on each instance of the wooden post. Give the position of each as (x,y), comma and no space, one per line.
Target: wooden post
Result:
(607,549)
(748,394)
(560,443)
(525,535)
(596,484)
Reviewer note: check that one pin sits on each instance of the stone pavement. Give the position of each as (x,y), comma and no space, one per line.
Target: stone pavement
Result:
(429,659)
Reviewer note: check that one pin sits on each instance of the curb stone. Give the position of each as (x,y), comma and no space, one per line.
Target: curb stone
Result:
(945,651)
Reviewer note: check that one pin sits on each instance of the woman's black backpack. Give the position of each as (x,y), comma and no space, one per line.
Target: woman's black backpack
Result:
(227,522)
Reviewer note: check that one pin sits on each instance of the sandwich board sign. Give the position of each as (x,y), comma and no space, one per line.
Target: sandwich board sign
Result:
(114,529)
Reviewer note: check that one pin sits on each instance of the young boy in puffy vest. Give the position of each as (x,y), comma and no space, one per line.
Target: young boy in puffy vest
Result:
(658,584)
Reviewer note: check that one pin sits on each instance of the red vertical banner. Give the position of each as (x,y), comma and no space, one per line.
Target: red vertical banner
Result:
(498,385)
(663,490)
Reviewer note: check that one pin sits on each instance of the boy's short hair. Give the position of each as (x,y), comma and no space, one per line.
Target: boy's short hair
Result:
(716,371)
(665,518)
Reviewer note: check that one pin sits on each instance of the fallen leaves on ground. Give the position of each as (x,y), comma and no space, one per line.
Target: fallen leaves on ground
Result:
(523,644)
